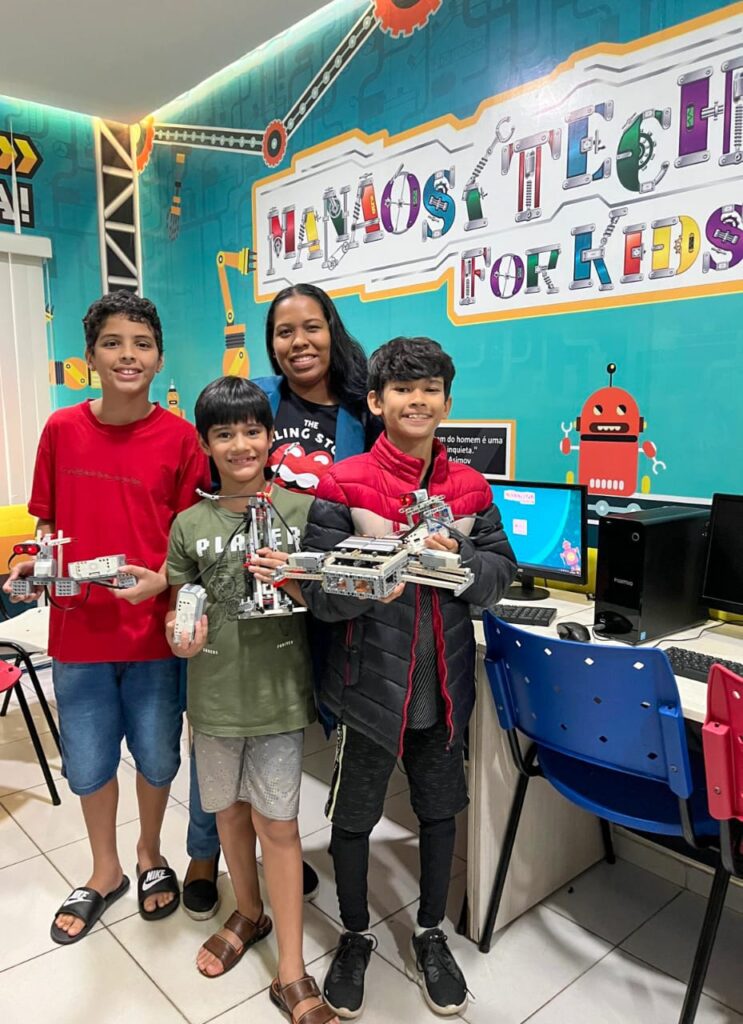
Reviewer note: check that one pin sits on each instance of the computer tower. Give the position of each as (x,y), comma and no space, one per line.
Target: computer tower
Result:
(649,573)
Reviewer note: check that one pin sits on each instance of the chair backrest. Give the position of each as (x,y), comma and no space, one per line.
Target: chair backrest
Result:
(616,707)
(9,675)
(722,736)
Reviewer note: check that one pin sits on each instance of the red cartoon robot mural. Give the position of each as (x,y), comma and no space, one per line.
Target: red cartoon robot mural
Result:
(609,429)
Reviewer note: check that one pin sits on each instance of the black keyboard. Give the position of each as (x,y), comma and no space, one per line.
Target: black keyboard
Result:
(696,666)
(525,614)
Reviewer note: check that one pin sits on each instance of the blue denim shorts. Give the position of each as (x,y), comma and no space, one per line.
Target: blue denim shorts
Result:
(101,703)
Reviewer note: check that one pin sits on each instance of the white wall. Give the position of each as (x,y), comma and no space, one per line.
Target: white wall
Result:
(24,362)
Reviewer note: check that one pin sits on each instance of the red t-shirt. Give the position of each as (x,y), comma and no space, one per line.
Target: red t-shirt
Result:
(114,490)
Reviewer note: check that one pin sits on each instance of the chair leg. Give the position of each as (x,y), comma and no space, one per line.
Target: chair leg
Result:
(43,764)
(463,915)
(705,945)
(6,701)
(504,861)
(41,696)
(608,841)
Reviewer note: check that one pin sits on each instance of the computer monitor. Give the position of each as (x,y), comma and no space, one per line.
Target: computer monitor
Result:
(546,525)
(723,576)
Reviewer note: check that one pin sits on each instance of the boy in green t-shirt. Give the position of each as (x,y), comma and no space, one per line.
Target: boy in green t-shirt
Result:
(250,691)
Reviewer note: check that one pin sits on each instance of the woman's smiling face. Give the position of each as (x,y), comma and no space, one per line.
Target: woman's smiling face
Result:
(301,341)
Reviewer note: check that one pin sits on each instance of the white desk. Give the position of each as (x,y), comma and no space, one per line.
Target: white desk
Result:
(30,629)
(556,840)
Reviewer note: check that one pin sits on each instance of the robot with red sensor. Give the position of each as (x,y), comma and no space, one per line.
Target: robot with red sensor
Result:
(609,429)
(48,570)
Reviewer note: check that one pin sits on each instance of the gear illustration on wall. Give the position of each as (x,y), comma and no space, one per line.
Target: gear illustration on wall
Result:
(403,17)
(647,149)
(733,219)
(274,143)
(144,142)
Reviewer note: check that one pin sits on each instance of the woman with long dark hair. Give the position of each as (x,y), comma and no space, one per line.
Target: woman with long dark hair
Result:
(318,395)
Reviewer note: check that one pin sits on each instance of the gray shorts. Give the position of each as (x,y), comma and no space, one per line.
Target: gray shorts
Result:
(264,771)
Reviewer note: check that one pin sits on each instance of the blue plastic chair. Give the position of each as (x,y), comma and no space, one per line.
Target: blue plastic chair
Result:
(606,730)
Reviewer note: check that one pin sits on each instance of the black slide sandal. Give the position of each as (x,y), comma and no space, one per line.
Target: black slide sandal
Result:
(88,905)
(153,881)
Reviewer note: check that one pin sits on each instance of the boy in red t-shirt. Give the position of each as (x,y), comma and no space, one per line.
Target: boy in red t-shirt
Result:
(112,474)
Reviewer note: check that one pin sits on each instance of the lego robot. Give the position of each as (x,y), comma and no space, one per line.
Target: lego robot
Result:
(369,568)
(49,571)
(261,598)
(258,598)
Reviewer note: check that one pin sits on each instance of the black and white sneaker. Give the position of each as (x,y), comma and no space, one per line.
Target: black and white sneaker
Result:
(310,882)
(343,987)
(438,973)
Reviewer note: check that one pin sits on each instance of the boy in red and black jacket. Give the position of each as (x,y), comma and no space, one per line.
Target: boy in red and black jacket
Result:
(401,671)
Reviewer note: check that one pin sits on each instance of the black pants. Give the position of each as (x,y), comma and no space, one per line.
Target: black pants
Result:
(438,792)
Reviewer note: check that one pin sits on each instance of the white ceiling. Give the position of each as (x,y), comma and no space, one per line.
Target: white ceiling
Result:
(122,59)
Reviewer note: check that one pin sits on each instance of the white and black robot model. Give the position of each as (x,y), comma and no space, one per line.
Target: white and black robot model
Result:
(259,599)
(49,569)
(371,567)
(189,608)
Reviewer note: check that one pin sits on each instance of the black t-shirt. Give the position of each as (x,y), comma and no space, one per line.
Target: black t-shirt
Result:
(304,444)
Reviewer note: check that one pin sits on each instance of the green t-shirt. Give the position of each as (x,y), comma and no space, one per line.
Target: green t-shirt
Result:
(253,677)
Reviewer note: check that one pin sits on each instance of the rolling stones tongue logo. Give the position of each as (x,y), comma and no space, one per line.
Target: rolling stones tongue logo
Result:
(299,470)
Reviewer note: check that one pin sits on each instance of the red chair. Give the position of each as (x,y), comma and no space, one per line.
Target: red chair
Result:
(10,676)
(722,737)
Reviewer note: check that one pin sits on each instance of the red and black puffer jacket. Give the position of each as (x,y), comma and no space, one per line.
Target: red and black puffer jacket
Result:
(368,674)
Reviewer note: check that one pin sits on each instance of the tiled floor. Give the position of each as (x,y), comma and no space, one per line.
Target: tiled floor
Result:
(614,947)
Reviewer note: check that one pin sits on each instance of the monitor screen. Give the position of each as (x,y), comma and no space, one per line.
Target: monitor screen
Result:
(723,577)
(546,525)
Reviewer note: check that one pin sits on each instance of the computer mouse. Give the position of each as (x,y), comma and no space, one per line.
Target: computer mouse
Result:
(573,631)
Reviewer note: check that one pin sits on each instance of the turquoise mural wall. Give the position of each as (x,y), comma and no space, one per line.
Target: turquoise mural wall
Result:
(364,80)
(55,176)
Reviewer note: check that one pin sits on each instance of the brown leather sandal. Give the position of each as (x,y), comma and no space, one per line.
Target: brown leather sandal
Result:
(287,997)
(248,932)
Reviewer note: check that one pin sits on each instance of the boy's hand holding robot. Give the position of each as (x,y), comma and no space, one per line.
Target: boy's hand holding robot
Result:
(144,584)
(264,562)
(186,627)
(26,594)
(442,542)
(185,646)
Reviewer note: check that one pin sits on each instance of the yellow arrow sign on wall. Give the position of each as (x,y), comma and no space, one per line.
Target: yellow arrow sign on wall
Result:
(21,151)
(28,156)
(7,154)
